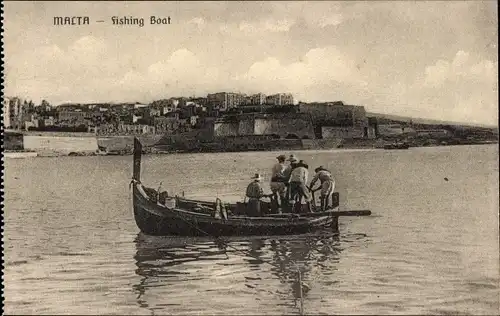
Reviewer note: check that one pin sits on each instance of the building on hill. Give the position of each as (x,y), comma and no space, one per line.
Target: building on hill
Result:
(201,101)
(16,113)
(165,125)
(6,112)
(254,99)
(69,118)
(280,99)
(138,105)
(132,129)
(71,107)
(224,101)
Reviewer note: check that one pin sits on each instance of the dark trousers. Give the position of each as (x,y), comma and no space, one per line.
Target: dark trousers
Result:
(297,190)
(253,207)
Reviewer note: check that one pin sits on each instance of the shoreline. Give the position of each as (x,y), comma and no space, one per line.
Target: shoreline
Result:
(17,154)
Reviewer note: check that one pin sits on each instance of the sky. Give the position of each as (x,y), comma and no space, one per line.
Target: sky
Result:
(436,60)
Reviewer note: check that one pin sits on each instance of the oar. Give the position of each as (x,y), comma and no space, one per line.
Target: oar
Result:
(331,213)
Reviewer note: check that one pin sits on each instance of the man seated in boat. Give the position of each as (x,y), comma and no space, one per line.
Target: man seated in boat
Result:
(298,180)
(327,185)
(254,194)
(279,178)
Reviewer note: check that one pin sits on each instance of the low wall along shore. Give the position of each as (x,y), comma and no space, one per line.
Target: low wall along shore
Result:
(124,142)
(60,144)
(56,144)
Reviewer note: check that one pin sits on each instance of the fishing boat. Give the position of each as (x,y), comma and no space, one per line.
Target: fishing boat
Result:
(158,214)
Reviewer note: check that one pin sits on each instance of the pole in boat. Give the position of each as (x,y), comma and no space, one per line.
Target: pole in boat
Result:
(137,159)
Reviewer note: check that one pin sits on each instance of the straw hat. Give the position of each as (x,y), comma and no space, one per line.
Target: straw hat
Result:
(303,164)
(293,159)
(319,169)
(256,177)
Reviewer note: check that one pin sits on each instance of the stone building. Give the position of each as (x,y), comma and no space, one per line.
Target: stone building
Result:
(225,100)
(339,120)
(164,125)
(255,99)
(280,99)
(6,112)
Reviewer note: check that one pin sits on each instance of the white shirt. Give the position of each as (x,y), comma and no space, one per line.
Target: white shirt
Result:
(299,174)
(278,170)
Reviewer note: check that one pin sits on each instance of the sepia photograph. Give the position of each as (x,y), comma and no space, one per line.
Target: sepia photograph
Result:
(250,158)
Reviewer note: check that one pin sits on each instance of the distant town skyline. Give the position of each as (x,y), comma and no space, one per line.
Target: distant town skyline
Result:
(435,60)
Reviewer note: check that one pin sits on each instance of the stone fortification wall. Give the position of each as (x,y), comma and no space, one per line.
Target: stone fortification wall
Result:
(226,128)
(247,127)
(341,114)
(296,126)
(359,115)
(284,125)
(60,144)
(197,135)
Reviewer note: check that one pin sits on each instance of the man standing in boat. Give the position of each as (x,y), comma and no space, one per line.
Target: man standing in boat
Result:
(279,179)
(254,193)
(298,180)
(327,185)
(288,172)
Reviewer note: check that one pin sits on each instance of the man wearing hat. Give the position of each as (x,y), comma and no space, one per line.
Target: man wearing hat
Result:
(293,159)
(298,180)
(279,177)
(327,185)
(293,164)
(254,193)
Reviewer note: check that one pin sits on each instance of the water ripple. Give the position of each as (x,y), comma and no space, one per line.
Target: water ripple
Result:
(430,248)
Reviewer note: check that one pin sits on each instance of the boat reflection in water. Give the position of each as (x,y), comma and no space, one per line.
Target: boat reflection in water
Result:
(177,272)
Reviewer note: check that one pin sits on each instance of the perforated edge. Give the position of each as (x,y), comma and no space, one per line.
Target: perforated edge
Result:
(2,156)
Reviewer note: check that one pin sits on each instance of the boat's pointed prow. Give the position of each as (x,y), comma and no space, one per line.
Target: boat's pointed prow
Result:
(137,159)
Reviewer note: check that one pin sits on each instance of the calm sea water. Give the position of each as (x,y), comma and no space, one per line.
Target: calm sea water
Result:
(432,246)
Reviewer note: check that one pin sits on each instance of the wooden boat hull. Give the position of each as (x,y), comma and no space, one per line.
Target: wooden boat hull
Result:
(238,208)
(156,214)
(156,220)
